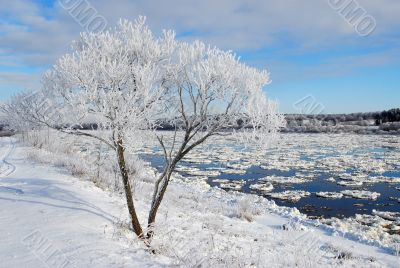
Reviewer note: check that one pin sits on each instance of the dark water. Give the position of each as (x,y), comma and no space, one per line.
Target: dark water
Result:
(312,205)
(324,207)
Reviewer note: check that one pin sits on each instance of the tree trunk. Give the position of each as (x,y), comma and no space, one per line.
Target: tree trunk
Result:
(128,191)
(157,202)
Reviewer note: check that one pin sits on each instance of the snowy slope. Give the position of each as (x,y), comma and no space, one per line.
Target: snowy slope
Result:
(50,219)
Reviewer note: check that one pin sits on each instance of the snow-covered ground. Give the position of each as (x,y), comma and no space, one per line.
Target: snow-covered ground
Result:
(49,218)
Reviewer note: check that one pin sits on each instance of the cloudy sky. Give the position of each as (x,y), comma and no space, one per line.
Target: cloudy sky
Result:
(309,48)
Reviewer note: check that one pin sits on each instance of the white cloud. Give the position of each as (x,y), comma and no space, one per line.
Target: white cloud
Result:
(36,38)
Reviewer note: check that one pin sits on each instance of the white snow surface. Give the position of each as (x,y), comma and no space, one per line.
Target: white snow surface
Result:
(49,218)
(332,195)
(361,194)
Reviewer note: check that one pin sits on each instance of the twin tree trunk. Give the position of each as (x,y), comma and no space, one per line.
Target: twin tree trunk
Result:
(128,190)
(157,202)
(160,189)
(129,196)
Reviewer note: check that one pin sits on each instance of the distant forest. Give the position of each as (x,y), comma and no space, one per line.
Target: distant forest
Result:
(392,115)
(386,122)
(372,122)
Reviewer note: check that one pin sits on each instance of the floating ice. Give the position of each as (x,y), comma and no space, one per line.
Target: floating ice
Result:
(292,196)
(263,187)
(238,166)
(284,180)
(332,195)
(186,169)
(232,185)
(331,179)
(391,216)
(198,160)
(221,180)
(381,179)
(395,199)
(350,183)
(234,171)
(348,160)
(361,194)
(198,172)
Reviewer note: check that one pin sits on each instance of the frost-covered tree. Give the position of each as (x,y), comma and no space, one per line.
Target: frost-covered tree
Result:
(114,79)
(27,111)
(14,112)
(209,91)
(126,81)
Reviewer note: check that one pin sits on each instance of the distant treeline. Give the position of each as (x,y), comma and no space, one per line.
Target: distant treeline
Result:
(363,123)
(392,115)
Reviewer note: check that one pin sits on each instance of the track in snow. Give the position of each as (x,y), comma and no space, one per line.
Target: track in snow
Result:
(7,147)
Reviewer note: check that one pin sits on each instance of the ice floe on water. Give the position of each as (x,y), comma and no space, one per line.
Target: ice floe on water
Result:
(221,180)
(331,179)
(194,171)
(234,171)
(235,185)
(391,216)
(263,187)
(349,175)
(231,186)
(284,180)
(350,183)
(359,194)
(292,196)
(332,195)
(238,166)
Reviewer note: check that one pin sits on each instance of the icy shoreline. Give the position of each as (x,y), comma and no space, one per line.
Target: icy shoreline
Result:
(309,163)
(243,221)
(350,228)
(229,191)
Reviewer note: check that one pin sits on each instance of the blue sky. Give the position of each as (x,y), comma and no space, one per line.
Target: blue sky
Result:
(307,46)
